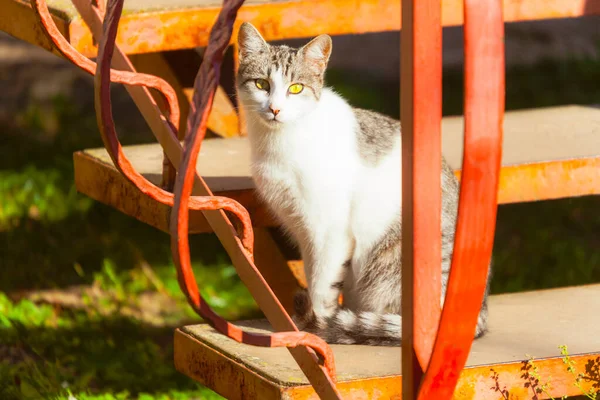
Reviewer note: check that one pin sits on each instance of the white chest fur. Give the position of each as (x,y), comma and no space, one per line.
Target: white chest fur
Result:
(311,174)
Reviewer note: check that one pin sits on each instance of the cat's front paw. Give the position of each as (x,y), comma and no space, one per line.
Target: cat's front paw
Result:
(302,303)
(304,318)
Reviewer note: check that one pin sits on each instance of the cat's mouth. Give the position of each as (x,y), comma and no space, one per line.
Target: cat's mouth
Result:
(272,120)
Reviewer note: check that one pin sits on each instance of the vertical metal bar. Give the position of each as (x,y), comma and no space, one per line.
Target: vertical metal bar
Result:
(421,113)
(484,112)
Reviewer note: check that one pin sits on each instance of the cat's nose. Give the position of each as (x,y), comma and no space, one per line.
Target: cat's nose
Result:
(275,111)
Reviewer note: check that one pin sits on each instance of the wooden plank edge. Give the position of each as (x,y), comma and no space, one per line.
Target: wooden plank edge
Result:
(548,180)
(115,191)
(518,183)
(218,372)
(20,21)
(119,193)
(512,382)
(233,380)
(153,31)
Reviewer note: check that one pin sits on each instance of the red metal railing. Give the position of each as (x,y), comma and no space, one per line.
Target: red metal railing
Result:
(432,358)
(421,115)
(476,224)
(431,369)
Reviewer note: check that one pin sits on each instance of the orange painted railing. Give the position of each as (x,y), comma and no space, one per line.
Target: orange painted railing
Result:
(432,358)
(435,349)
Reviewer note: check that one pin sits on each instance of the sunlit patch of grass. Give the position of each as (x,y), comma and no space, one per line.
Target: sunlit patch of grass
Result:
(97,347)
(112,343)
(114,357)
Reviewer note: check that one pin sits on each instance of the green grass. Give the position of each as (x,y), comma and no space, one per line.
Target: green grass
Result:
(116,342)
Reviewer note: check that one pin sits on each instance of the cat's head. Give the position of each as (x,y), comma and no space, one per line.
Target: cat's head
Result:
(279,84)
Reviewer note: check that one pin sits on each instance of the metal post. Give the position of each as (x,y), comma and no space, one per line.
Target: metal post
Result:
(421,113)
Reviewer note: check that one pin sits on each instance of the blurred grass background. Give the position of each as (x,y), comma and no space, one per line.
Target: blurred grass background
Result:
(89,297)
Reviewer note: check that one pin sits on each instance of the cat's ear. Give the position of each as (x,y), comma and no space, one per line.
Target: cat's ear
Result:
(250,41)
(317,51)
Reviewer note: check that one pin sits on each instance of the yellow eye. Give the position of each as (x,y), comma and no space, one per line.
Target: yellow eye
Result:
(296,88)
(263,84)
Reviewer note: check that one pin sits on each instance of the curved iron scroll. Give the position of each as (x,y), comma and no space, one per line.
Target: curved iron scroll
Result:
(182,201)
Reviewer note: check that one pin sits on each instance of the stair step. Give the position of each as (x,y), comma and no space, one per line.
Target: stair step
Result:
(273,17)
(548,153)
(530,323)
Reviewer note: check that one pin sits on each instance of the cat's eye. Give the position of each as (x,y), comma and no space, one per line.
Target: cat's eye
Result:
(296,88)
(263,84)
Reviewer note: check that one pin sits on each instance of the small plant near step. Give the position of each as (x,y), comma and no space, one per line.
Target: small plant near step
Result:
(532,379)
(592,374)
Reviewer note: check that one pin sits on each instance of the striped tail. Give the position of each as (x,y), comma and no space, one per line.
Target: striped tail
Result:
(347,327)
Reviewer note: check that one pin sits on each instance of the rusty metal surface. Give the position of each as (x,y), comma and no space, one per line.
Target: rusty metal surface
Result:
(552,180)
(484,113)
(18,19)
(296,19)
(176,25)
(229,378)
(517,381)
(421,116)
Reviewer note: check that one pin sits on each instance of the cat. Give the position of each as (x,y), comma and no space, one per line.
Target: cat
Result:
(331,175)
